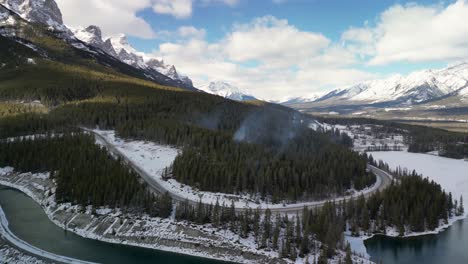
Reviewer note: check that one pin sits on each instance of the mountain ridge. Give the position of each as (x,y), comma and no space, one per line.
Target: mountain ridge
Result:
(47,12)
(413,89)
(226,90)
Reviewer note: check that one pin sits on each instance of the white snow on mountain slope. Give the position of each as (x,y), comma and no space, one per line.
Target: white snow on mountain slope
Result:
(463,93)
(120,48)
(301,100)
(414,88)
(131,56)
(92,35)
(47,12)
(39,11)
(226,90)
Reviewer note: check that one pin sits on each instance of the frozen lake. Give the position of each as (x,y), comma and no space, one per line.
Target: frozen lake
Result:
(446,247)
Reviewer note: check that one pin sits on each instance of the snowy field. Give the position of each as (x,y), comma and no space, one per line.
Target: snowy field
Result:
(153,158)
(451,174)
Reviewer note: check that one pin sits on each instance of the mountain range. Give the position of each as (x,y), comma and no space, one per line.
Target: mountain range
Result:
(46,12)
(227,90)
(430,89)
(441,88)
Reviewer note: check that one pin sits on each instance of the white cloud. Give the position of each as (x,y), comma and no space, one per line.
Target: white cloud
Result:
(288,61)
(227,2)
(120,16)
(190,31)
(273,41)
(113,16)
(414,33)
(176,8)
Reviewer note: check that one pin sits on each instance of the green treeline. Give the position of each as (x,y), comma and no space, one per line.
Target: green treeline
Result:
(254,147)
(85,174)
(414,204)
(227,146)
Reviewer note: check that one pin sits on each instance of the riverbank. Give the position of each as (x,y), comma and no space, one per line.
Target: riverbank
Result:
(115,227)
(9,254)
(26,247)
(358,243)
(161,234)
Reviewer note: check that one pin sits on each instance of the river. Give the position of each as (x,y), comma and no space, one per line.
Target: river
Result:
(28,221)
(449,246)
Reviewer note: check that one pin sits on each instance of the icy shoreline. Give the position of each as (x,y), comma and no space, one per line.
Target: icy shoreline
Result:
(358,243)
(9,236)
(159,234)
(171,232)
(435,168)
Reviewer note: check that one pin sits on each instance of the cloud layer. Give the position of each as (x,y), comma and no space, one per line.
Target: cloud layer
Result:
(274,59)
(120,16)
(269,57)
(414,33)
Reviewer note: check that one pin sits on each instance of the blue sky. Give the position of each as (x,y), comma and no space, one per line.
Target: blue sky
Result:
(282,48)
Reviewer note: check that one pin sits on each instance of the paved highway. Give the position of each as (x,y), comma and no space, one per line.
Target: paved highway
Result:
(383,180)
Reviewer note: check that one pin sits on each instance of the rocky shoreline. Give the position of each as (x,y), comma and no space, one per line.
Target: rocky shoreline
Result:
(115,227)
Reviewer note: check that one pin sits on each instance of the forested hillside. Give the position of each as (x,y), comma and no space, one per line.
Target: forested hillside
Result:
(255,148)
(49,87)
(85,174)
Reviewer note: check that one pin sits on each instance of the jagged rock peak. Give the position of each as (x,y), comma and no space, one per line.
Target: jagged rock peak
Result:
(95,30)
(40,11)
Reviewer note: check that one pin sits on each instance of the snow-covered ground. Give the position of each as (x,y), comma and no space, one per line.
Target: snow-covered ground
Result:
(9,254)
(8,235)
(365,138)
(451,174)
(153,158)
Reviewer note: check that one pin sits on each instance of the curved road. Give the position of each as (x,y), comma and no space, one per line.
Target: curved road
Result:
(383,180)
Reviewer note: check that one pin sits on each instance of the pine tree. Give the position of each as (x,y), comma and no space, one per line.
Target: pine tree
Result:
(348,259)
(276,232)
(216,214)
(461,209)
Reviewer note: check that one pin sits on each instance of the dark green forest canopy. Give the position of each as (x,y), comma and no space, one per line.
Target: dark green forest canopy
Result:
(85,173)
(228,146)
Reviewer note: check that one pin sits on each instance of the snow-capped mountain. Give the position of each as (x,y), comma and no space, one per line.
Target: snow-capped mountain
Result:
(48,13)
(120,48)
(226,90)
(300,100)
(92,35)
(417,87)
(38,11)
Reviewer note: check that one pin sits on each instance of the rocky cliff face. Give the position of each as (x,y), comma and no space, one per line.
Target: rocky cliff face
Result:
(38,11)
(92,35)
(48,13)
